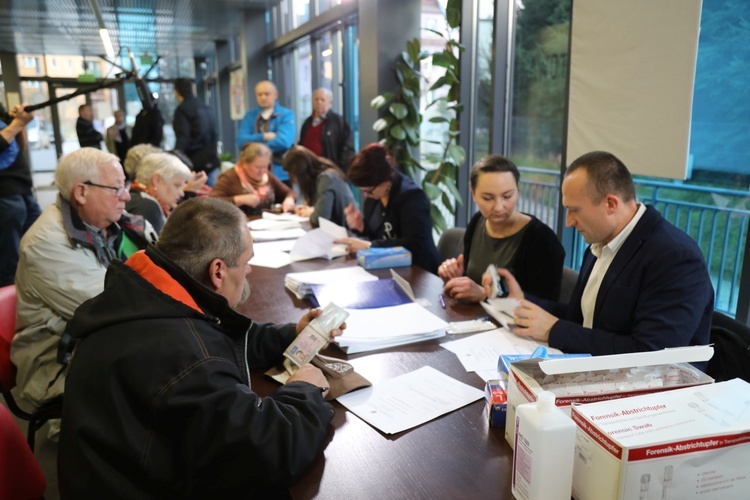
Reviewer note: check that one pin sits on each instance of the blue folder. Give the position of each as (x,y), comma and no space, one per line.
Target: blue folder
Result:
(364,295)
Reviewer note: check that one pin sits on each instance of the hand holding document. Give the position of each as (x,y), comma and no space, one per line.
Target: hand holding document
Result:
(410,400)
(319,242)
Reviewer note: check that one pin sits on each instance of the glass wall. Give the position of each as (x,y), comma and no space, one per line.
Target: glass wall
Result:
(326,58)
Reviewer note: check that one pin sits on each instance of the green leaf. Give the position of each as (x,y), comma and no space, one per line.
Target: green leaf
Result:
(453,13)
(397,132)
(380,125)
(381,100)
(439,83)
(431,190)
(435,31)
(407,60)
(440,59)
(439,119)
(457,106)
(450,184)
(435,102)
(399,110)
(437,219)
(457,154)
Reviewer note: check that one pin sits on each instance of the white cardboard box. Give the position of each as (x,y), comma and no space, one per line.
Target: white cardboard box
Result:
(592,378)
(691,443)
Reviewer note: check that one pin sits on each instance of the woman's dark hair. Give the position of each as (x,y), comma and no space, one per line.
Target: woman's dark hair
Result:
(493,163)
(372,166)
(304,166)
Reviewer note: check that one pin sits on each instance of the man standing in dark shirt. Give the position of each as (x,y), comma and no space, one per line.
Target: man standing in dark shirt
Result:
(326,133)
(88,136)
(195,131)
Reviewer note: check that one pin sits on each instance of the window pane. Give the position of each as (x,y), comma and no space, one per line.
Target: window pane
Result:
(300,13)
(483,79)
(31,65)
(326,61)
(540,73)
(303,103)
(39,131)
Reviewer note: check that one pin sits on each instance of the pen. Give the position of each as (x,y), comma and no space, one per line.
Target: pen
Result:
(442,300)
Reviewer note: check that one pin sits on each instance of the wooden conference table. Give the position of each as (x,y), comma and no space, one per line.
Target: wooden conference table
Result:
(457,455)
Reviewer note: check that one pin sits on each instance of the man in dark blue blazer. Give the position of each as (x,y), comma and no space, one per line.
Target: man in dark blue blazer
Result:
(643,284)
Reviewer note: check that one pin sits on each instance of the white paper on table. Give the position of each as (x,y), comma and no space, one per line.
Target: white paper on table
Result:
(409,400)
(329,276)
(388,322)
(482,350)
(487,374)
(288,216)
(320,242)
(271,224)
(273,246)
(367,345)
(273,260)
(278,234)
(502,310)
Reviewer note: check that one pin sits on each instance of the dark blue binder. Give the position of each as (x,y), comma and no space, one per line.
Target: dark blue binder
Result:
(364,295)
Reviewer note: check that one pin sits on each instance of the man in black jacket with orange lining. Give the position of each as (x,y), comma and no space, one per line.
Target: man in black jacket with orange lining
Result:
(158,401)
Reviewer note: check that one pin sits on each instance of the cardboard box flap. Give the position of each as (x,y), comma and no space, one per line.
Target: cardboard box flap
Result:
(617,361)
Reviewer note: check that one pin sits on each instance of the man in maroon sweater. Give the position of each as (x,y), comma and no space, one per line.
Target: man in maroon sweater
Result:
(326,133)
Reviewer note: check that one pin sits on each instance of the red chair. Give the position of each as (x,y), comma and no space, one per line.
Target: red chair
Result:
(20,475)
(8,371)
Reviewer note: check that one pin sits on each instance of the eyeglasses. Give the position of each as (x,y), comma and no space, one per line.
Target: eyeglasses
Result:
(368,191)
(118,190)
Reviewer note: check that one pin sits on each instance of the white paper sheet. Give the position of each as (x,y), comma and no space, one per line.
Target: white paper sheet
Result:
(481,351)
(409,400)
(280,234)
(320,242)
(271,224)
(501,310)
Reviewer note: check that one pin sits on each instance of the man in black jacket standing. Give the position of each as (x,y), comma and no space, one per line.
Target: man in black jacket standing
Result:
(88,136)
(158,401)
(195,131)
(326,133)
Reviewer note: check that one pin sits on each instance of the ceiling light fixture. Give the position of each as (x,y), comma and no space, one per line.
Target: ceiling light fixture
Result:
(102,29)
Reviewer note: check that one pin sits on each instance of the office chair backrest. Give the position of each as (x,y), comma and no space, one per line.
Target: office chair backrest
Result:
(568,283)
(20,475)
(451,243)
(731,340)
(7,332)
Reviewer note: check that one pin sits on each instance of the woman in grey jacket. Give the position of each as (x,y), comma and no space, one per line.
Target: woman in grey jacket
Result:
(321,183)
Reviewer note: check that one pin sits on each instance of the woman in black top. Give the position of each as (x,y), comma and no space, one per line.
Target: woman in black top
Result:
(501,235)
(396,211)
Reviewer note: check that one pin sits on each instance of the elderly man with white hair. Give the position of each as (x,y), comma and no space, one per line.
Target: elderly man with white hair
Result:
(63,259)
(160,181)
(326,133)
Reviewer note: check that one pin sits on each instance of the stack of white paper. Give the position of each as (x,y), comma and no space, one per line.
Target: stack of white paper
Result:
(320,242)
(370,329)
(299,283)
(273,227)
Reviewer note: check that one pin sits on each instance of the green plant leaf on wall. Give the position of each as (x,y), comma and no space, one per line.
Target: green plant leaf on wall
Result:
(457,154)
(397,132)
(437,219)
(381,100)
(399,110)
(380,125)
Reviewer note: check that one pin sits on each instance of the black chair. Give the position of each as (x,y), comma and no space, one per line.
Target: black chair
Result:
(451,243)
(569,280)
(731,340)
